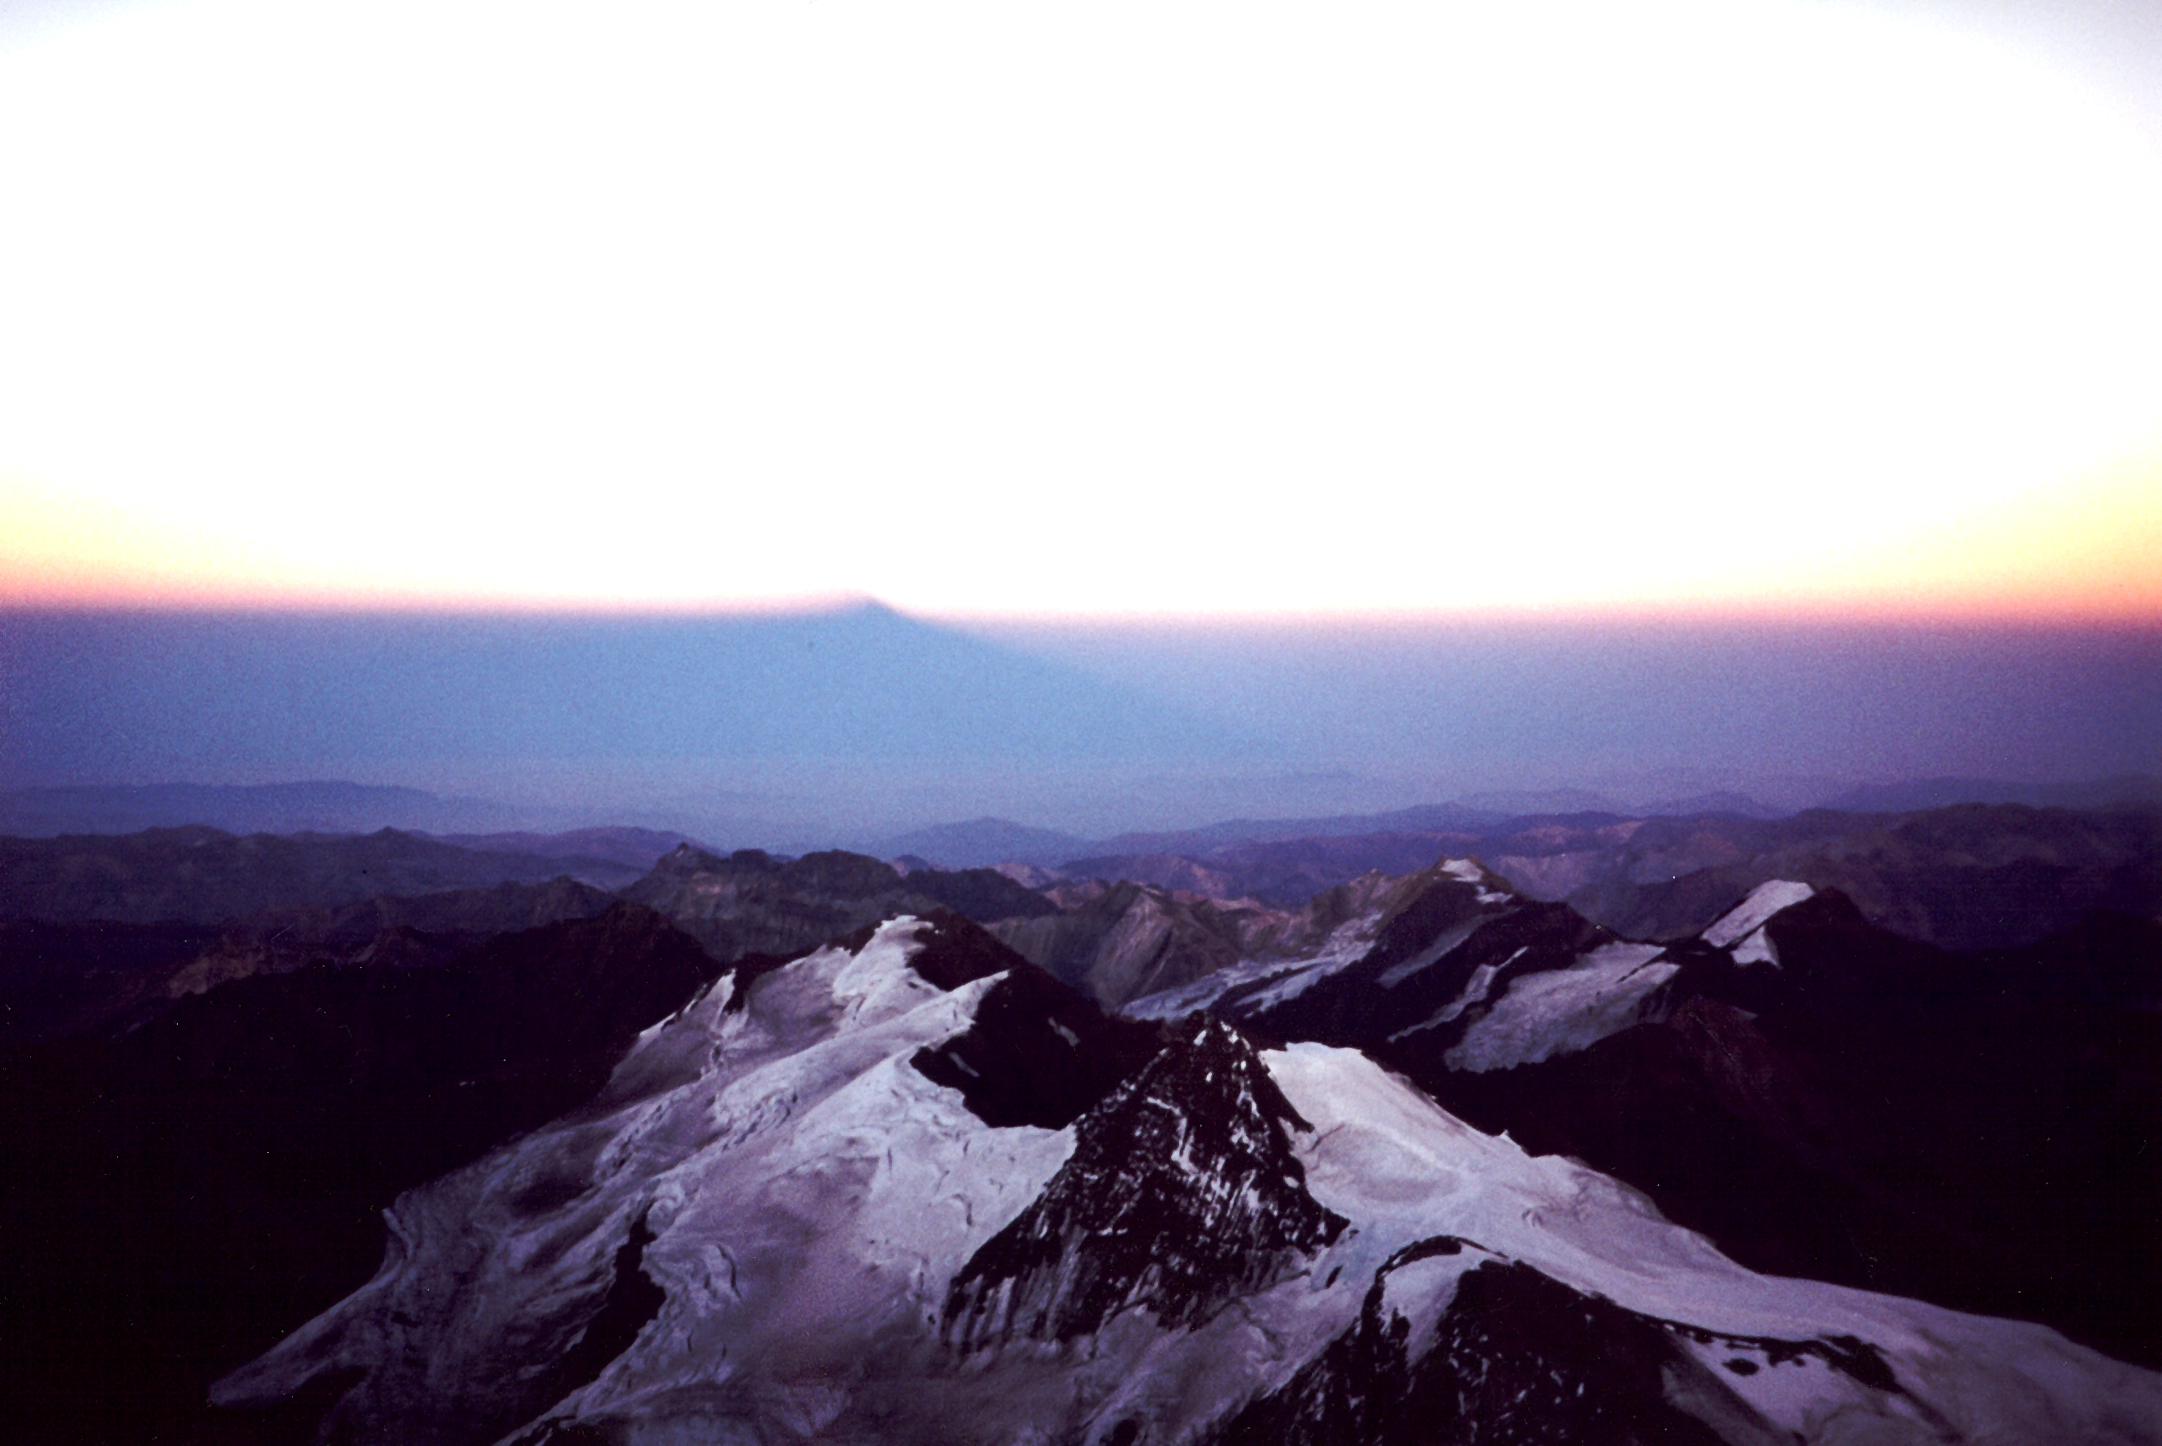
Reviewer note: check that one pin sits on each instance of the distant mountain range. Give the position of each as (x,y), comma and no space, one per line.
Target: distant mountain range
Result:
(980,842)
(988,841)
(1966,876)
(333,807)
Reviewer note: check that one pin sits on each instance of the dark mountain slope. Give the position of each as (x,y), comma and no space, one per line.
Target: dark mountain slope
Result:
(1181,1196)
(180,1197)
(633,848)
(61,979)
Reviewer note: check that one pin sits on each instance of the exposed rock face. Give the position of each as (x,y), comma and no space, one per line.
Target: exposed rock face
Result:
(1182,1195)
(1037,1053)
(1512,1357)
(774,1225)
(984,895)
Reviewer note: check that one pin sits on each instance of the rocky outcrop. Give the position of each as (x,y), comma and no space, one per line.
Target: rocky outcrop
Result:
(1182,1195)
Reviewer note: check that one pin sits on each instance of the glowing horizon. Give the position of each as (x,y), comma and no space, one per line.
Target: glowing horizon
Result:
(1154,312)
(2081,556)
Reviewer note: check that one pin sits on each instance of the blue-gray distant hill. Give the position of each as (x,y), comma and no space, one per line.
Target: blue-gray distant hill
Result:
(311,807)
(982,841)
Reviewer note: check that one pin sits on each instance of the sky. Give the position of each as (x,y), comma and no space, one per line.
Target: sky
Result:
(1680,309)
(1272,409)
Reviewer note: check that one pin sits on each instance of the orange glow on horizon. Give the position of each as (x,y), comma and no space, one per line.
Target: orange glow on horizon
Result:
(2076,554)
(1421,312)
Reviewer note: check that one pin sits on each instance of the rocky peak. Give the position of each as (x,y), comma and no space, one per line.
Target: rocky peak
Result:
(1182,1194)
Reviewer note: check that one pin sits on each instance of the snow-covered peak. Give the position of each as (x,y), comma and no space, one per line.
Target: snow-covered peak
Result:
(1750,914)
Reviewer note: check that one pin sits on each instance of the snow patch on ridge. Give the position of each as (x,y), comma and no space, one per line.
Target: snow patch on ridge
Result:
(1284,979)
(1758,948)
(1560,1011)
(1749,915)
